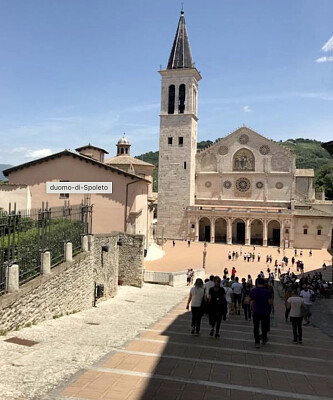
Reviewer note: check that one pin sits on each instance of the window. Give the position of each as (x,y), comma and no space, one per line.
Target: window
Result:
(305,231)
(126,150)
(170,141)
(319,232)
(122,150)
(64,195)
(287,230)
(171,103)
(180,141)
(181,102)
(184,164)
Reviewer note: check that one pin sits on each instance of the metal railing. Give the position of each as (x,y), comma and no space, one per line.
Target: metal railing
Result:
(25,235)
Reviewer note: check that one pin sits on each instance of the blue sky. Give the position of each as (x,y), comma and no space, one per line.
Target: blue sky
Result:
(79,71)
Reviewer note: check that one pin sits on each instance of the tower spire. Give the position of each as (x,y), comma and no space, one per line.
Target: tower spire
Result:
(180,56)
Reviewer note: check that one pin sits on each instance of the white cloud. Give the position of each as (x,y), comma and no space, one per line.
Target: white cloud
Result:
(247,109)
(324,59)
(38,153)
(30,153)
(328,46)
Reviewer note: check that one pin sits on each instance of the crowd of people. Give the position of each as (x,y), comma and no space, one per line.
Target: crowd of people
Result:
(219,298)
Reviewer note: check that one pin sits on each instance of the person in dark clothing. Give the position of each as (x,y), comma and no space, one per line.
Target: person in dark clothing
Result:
(261,302)
(217,306)
(246,301)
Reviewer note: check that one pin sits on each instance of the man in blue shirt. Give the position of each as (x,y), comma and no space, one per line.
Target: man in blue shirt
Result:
(261,302)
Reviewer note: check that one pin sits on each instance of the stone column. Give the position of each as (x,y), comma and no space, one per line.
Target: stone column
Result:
(264,234)
(13,279)
(282,234)
(68,251)
(46,263)
(85,244)
(291,235)
(247,232)
(90,242)
(212,230)
(229,231)
(197,229)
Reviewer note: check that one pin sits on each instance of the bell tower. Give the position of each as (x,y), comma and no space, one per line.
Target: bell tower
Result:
(178,138)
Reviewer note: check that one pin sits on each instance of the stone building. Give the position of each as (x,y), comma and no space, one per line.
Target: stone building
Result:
(127,209)
(244,188)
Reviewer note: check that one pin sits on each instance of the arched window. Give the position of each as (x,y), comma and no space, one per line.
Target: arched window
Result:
(181,103)
(171,103)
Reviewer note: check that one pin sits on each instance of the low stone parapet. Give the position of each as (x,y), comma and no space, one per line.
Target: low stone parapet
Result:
(171,278)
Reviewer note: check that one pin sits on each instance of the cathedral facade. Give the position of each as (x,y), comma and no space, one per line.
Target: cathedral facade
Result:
(245,188)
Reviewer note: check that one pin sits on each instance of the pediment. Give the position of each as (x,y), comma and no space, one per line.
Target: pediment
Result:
(247,138)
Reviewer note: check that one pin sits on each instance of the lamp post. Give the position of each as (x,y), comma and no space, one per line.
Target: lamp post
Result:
(204,254)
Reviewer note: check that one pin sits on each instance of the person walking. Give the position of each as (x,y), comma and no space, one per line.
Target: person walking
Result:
(296,305)
(188,277)
(228,297)
(246,302)
(237,295)
(249,280)
(217,305)
(261,302)
(196,297)
(307,295)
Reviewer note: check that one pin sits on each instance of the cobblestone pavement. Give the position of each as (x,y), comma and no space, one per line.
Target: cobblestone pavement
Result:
(165,362)
(71,343)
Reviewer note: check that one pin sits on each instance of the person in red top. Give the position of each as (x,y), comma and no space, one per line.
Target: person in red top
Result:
(233,271)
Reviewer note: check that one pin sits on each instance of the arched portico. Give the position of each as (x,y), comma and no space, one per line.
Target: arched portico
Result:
(274,233)
(257,229)
(220,230)
(238,231)
(204,229)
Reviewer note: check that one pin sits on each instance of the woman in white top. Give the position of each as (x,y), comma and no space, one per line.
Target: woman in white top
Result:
(196,297)
(228,297)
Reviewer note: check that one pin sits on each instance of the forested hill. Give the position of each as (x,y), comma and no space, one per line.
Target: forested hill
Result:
(309,154)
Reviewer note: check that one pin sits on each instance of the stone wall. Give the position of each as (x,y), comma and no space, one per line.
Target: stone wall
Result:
(70,286)
(131,259)
(105,262)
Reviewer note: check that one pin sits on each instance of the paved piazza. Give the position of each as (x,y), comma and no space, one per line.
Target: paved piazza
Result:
(182,257)
(166,363)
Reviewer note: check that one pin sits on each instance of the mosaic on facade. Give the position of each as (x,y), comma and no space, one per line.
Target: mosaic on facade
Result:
(243,160)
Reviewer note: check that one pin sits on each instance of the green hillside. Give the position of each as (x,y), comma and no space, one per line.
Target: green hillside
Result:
(309,154)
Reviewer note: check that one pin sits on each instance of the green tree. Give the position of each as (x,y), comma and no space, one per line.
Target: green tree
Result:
(324,180)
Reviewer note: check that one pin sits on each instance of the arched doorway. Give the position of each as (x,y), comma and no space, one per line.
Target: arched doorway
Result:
(238,231)
(220,230)
(274,233)
(257,232)
(204,230)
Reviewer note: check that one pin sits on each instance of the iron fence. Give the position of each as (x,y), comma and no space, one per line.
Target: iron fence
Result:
(25,235)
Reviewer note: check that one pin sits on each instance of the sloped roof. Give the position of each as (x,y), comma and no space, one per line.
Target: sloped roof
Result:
(73,154)
(90,146)
(126,160)
(180,56)
(312,212)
